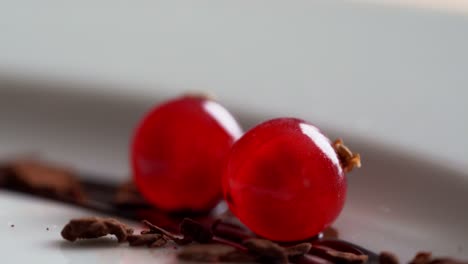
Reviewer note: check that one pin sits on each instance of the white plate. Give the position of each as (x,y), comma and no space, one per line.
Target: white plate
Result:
(395,202)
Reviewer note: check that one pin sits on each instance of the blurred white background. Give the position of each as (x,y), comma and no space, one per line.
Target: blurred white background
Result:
(388,71)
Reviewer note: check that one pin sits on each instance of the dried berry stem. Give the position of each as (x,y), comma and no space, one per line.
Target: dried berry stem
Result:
(348,159)
(230,231)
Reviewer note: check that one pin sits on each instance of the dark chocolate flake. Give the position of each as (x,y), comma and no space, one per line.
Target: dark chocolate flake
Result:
(154,229)
(336,256)
(41,179)
(94,227)
(144,240)
(266,251)
(298,250)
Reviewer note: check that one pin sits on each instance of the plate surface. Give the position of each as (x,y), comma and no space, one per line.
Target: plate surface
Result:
(396,202)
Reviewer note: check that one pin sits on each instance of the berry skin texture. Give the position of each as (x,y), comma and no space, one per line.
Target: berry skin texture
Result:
(284,181)
(178,153)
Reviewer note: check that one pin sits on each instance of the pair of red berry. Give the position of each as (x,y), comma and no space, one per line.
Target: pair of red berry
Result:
(283,179)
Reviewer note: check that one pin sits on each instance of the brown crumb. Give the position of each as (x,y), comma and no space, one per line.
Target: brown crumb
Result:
(266,251)
(159,243)
(347,257)
(298,250)
(421,258)
(94,227)
(149,240)
(42,179)
(386,257)
(348,159)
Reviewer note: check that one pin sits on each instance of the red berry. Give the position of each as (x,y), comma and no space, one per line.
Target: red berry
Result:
(284,181)
(178,153)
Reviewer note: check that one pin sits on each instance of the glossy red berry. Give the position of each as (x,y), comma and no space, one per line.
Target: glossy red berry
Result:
(178,153)
(284,181)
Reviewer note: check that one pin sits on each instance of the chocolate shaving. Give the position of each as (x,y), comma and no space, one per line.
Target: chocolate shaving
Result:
(159,243)
(298,250)
(195,231)
(336,256)
(266,251)
(388,258)
(41,179)
(94,227)
(149,240)
(154,229)
(216,249)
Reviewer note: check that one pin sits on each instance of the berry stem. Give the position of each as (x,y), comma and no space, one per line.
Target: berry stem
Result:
(348,159)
